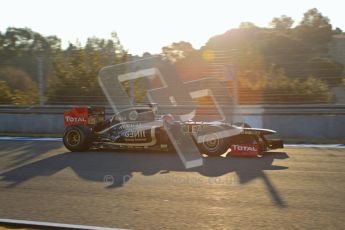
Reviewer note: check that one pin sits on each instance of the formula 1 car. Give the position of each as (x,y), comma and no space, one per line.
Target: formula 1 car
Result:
(141,128)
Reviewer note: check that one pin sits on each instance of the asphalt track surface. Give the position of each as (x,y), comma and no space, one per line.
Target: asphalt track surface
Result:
(293,188)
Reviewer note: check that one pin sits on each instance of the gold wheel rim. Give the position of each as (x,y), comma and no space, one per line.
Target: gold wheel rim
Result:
(73,138)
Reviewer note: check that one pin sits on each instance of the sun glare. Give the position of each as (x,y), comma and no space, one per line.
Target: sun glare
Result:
(147,26)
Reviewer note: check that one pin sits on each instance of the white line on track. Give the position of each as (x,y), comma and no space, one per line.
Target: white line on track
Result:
(336,146)
(27,223)
(30,139)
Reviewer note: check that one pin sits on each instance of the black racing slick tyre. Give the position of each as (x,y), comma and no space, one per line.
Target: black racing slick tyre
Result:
(210,141)
(77,138)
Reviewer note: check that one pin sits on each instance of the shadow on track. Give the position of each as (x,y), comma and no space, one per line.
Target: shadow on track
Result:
(21,152)
(94,166)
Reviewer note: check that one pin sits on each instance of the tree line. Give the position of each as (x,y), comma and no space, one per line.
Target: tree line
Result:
(277,64)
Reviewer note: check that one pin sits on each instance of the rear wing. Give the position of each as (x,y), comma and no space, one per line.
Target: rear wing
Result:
(84,116)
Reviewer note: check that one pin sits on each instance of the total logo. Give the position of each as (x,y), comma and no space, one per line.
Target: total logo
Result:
(75,119)
(245,148)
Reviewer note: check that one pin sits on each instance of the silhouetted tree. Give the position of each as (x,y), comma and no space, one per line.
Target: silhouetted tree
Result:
(283,22)
(247,25)
(177,50)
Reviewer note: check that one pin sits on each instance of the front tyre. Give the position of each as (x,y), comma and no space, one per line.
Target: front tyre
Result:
(77,138)
(212,144)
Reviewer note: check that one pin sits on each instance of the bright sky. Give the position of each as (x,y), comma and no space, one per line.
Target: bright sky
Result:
(148,25)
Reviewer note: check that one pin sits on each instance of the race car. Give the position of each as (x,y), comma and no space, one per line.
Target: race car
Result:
(142,128)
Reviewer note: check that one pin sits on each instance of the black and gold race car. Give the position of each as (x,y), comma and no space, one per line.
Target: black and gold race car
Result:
(141,128)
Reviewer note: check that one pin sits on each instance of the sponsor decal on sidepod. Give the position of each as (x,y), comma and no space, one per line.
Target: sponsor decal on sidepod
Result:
(245,150)
(75,119)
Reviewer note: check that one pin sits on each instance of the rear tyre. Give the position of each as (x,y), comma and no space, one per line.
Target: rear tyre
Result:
(77,138)
(212,144)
